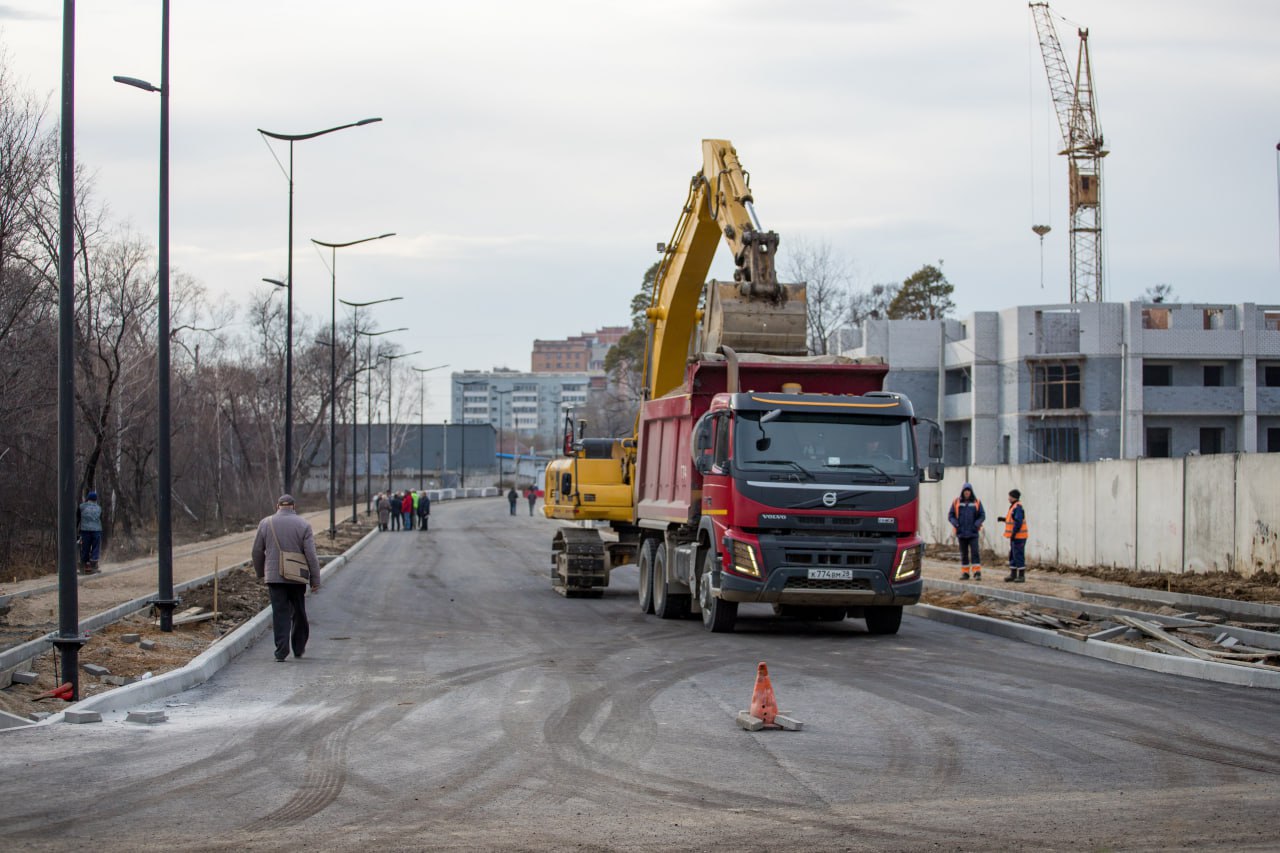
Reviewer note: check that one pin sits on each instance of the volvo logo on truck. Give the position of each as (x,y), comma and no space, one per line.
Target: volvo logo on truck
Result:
(829,499)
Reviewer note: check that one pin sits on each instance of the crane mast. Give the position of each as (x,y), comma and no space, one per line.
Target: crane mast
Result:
(1074,102)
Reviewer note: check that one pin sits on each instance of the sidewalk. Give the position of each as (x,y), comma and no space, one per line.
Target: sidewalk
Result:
(33,603)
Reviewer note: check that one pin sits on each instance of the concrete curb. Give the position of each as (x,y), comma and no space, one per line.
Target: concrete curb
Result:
(200,669)
(1222,673)
(25,652)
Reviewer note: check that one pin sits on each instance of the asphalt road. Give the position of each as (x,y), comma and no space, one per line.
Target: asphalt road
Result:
(449,699)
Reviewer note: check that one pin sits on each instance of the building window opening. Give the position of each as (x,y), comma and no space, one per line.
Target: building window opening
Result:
(1155,318)
(1213,318)
(1211,439)
(1271,376)
(957,382)
(1158,443)
(1055,385)
(1056,444)
(1214,375)
(1157,375)
(1273,440)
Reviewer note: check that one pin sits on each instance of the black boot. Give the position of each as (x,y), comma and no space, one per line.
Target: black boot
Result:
(1013,576)
(1022,576)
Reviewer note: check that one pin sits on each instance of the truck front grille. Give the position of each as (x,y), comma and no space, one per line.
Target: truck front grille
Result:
(800,557)
(862,584)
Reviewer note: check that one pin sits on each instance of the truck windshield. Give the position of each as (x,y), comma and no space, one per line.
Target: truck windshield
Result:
(861,444)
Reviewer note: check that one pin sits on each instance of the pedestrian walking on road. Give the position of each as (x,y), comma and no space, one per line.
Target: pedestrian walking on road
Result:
(531,494)
(89,523)
(383,505)
(406,509)
(286,531)
(512,497)
(966,517)
(1015,530)
(394,501)
(424,510)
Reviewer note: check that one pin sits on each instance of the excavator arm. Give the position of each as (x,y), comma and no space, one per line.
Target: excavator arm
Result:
(719,206)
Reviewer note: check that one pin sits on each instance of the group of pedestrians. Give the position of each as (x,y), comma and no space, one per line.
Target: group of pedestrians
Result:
(530,495)
(967,516)
(398,510)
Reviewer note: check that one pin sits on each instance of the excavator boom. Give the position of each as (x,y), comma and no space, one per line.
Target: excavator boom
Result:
(753,314)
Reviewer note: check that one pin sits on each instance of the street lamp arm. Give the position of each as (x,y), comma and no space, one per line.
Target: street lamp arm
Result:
(429,369)
(384,332)
(277,282)
(367,304)
(401,355)
(136,83)
(298,137)
(353,242)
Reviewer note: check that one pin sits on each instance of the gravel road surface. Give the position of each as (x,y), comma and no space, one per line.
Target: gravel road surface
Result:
(450,700)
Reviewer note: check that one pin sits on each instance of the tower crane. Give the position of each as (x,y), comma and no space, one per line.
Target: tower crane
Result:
(1074,101)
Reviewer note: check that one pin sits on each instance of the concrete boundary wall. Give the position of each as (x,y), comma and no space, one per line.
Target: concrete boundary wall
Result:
(1194,514)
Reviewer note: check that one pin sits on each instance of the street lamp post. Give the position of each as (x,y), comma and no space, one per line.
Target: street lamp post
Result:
(422,401)
(369,364)
(288,352)
(501,435)
(391,358)
(333,363)
(164,600)
(69,638)
(355,396)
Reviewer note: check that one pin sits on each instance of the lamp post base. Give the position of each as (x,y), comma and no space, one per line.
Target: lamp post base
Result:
(69,653)
(165,606)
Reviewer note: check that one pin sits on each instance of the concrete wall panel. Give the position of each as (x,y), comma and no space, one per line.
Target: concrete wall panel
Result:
(1040,498)
(1114,514)
(1160,515)
(1257,511)
(1210,513)
(1075,523)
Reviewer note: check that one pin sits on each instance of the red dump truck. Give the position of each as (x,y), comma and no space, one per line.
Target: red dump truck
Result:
(793,482)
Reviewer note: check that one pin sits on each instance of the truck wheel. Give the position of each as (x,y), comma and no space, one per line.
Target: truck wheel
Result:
(645,566)
(718,615)
(666,604)
(883,620)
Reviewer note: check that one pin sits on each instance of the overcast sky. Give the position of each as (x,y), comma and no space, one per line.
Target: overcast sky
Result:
(532,153)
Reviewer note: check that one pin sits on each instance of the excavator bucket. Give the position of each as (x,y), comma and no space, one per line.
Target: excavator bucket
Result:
(755,324)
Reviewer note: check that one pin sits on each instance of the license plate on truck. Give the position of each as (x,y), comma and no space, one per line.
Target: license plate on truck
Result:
(830,574)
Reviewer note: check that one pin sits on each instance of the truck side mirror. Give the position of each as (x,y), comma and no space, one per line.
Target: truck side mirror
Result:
(703,441)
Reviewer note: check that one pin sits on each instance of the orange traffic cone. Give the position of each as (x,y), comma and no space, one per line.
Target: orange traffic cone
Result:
(763,704)
(764,711)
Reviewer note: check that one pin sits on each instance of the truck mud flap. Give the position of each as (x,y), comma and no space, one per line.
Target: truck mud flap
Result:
(578,566)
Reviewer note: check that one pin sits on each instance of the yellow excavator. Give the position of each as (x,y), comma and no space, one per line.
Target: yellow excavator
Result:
(595,481)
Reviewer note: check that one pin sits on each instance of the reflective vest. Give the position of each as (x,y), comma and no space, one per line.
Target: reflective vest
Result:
(1008,522)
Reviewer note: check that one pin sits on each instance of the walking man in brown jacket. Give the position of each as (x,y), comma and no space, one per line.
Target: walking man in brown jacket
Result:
(288,531)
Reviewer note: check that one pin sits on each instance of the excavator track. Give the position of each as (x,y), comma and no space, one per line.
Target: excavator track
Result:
(578,565)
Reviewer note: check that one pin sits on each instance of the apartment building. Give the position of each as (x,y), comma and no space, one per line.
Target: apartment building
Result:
(1070,383)
(580,353)
(528,405)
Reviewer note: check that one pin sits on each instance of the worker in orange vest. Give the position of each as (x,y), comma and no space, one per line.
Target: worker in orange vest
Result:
(1015,530)
(966,517)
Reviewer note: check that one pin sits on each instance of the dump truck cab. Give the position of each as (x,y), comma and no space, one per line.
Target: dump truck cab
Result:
(810,501)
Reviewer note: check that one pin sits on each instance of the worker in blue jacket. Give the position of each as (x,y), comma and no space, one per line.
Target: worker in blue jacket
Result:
(966,517)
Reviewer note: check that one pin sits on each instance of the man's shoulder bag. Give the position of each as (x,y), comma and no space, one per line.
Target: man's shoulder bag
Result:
(293,564)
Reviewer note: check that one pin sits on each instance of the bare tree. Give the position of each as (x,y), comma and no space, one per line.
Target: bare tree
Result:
(827,277)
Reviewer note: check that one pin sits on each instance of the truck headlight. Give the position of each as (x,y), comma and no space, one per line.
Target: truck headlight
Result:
(744,559)
(909,565)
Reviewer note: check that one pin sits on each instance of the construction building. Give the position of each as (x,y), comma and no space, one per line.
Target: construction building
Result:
(1087,381)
